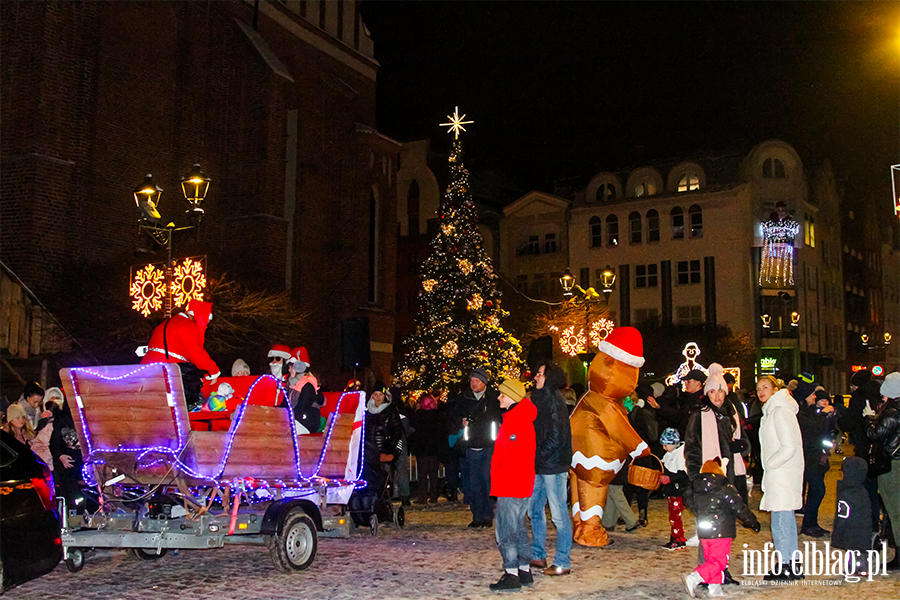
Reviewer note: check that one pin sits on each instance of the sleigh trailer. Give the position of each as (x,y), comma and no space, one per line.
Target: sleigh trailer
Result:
(167,479)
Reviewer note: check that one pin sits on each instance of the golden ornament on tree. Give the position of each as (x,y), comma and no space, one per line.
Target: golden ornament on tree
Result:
(450,349)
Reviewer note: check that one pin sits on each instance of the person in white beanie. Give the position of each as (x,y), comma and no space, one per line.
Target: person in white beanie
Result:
(883,429)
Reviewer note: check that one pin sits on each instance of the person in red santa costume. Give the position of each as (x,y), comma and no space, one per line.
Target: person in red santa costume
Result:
(279,356)
(180,340)
(602,437)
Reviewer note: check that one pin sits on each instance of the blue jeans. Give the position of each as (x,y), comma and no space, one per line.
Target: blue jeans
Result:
(552,488)
(510,531)
(784,534)
(479,492)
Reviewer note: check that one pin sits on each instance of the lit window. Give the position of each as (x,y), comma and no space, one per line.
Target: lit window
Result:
(677,223)
(652,225)
(696,214)
(612,230)
(689,183)
(596,230)
(634,222)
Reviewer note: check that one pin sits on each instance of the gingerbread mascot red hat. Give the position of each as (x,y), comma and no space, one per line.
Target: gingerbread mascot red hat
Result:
(602,437)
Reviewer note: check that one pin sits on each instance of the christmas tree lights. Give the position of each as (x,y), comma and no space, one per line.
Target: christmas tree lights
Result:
(458,324)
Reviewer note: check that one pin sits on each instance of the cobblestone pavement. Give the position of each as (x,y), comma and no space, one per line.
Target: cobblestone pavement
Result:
(436,556)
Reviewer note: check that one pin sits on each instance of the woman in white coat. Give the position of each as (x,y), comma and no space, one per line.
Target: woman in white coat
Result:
(782,460)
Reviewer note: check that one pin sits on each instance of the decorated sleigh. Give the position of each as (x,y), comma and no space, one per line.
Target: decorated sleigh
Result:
(172,479)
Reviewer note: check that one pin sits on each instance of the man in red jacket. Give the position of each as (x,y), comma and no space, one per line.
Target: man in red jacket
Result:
(512,482)
(180,339)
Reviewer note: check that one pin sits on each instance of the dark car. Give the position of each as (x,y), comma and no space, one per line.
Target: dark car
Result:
(30,545)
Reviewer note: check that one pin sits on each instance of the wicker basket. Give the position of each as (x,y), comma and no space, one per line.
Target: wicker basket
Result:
(645,477)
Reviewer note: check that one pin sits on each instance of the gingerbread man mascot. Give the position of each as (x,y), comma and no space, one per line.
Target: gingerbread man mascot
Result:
(602,437)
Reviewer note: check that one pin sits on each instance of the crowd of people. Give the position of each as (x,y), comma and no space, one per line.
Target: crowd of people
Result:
(714,443)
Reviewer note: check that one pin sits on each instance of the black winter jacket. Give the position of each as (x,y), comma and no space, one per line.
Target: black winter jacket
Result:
(693,439)
(852,420)
(885,429)
(553,433)
(815,427)
(716,503)
(674,407)
(853,515)
(484,417)
(384,432)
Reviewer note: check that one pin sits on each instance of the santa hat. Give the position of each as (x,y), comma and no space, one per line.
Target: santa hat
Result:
(300,354)
(716,379)
(626,345)
(280,351)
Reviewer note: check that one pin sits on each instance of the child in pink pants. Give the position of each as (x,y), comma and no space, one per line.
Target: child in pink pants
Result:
(715,503)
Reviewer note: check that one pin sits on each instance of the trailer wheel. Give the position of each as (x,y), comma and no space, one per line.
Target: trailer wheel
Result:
(399,517)
(148,554)
(75,562)
(373,524)
(294,549)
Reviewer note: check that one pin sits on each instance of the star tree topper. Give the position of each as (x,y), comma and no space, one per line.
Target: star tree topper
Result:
(456,123)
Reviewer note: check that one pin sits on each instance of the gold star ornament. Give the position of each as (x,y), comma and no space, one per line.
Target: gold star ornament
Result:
(456,123)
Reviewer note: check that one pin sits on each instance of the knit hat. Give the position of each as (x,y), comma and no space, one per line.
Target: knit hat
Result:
(806,385)
(670,437)
(56,395)
(713,465)
(658,389)
(696,375)
(643,390)
(512,388)
(821,394)
(240,368)
(480,374)
(14,412)
(716,379)
(891,385)
(624,344)
(280,351)
(729,378)
(860,377)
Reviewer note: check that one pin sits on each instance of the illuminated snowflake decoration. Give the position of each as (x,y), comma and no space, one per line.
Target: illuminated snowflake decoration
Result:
(494,320)
(475,302)
(450,349)
(465,266)
(572,342)
(189,282)
(429,284)
(147,290)
(600,329)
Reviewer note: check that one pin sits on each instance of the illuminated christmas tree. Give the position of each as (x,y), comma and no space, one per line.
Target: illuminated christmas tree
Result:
(458,324)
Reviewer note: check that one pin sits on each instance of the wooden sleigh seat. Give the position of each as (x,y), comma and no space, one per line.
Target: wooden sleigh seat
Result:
(134,419)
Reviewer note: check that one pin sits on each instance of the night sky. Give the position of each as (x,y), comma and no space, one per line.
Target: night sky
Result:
(568,89)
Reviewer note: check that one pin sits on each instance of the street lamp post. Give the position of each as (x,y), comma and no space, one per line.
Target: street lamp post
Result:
(587,297)
(147,196)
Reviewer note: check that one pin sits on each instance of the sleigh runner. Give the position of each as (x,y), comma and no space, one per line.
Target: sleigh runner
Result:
(172,479)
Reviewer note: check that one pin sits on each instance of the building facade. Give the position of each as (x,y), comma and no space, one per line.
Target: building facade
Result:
(686,241)
(276,101)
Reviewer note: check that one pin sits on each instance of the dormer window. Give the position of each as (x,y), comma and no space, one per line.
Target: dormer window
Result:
(773,169)
(644,188)
(689,183)
(606,193)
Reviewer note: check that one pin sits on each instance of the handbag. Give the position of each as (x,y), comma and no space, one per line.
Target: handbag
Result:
(879,461)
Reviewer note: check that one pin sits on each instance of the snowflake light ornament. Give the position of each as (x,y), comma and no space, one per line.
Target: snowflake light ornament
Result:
(147,290)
